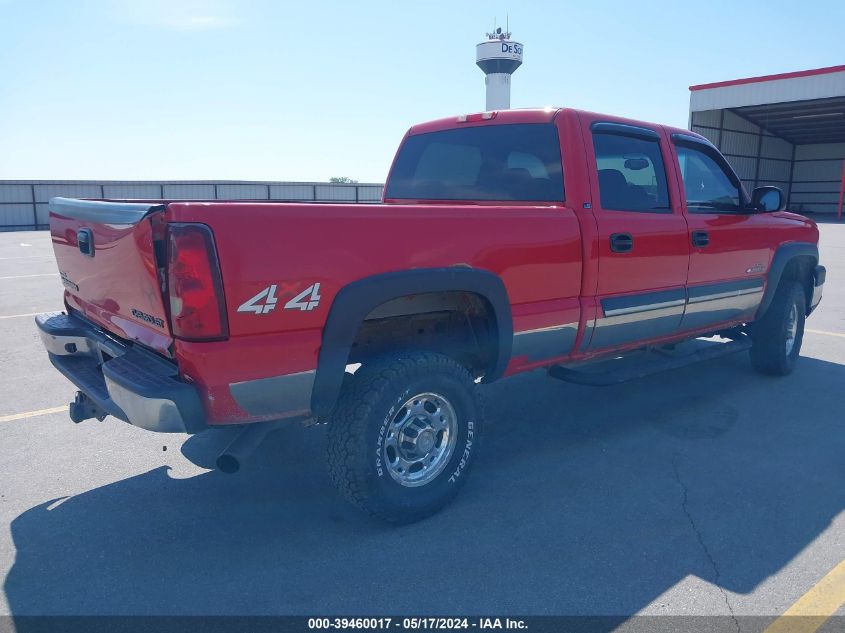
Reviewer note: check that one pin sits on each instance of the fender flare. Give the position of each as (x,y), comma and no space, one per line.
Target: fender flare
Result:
(356,300)
(783,255)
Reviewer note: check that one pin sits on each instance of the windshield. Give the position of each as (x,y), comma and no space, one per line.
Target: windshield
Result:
(488,162)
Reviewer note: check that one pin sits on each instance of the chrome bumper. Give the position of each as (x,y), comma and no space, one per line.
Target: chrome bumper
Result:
(124,380)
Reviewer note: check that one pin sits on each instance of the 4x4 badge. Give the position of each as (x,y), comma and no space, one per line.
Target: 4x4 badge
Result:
(266,300)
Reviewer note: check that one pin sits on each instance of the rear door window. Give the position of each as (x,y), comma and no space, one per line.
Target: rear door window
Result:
(488,162)
(631,173)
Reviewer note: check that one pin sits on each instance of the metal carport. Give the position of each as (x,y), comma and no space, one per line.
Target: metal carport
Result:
(786,130)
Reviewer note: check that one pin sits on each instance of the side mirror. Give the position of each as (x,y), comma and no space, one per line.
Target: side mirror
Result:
(767,199)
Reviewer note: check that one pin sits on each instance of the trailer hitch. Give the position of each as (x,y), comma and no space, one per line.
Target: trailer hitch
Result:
(83,408)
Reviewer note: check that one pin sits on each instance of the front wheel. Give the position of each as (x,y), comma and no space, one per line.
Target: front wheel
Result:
(404,434)
(777,337)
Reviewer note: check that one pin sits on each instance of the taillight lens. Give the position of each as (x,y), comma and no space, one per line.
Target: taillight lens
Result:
(197,303)
(478,116)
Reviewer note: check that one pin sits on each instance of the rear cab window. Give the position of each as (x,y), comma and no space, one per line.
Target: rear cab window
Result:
(509,162)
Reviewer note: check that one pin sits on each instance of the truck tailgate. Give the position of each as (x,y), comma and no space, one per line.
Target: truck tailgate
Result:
(107,262)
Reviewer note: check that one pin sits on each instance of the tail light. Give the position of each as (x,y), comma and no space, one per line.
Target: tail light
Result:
(197,303)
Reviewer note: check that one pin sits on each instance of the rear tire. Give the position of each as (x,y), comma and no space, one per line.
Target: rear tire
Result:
(777,337)
(403,435)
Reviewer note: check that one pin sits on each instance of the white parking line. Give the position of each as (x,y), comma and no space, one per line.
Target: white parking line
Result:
(25,276)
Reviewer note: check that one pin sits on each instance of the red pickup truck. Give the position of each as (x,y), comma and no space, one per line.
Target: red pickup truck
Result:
(506,241)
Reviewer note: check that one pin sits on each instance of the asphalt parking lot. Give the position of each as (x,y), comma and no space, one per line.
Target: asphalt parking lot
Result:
(707,491)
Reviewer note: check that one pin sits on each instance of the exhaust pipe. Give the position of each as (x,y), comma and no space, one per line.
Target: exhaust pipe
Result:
(243,445)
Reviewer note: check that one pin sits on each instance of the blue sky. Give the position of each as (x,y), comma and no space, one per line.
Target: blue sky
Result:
(274,90)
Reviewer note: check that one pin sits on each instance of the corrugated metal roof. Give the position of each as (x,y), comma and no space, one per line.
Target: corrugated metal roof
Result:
(773,89)
(761,78)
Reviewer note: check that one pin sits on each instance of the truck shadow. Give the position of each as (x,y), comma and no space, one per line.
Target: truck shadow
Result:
(586,501)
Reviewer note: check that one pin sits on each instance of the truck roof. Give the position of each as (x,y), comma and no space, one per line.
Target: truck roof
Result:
(524,115)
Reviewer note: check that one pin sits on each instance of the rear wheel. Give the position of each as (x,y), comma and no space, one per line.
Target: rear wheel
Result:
(403,435)
(777,337)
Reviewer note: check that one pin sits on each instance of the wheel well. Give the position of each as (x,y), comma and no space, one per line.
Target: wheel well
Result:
(800,269)
(459,324)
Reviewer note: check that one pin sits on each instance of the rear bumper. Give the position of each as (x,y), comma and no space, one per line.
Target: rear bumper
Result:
(124,380)
(819,274)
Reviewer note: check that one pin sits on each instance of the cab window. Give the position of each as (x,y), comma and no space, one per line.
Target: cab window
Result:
(708,187)
(631,173)
(487,162)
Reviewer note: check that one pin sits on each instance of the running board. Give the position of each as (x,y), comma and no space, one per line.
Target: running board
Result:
(615,377)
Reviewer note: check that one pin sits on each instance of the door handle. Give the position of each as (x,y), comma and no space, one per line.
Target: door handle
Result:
(700,239)
(621,242)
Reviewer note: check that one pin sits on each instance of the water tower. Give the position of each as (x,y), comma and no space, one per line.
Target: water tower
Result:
(498,57)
